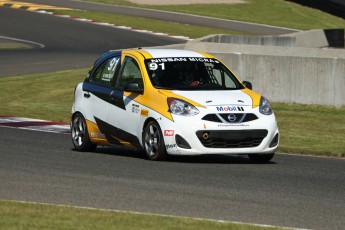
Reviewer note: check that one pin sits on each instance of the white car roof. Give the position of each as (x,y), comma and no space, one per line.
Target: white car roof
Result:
(165,53)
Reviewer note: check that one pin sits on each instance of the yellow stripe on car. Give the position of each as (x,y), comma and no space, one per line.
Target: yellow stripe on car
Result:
(255,97)
(95,134)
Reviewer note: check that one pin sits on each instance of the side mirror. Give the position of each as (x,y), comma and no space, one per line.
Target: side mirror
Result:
(247,84)
(133,87)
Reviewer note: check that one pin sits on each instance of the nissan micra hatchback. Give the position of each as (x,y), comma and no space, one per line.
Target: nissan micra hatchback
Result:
(174,102)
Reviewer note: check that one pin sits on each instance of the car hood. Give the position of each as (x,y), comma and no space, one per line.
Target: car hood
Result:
(217,98)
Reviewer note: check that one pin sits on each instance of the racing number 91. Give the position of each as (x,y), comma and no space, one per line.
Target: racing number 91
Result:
(154,66)
(113,64)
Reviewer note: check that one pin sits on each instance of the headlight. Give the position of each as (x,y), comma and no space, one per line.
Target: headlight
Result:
(265,107)
(180,107)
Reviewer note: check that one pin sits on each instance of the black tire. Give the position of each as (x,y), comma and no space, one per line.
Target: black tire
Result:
(153,142)
(80,135)
(261,158)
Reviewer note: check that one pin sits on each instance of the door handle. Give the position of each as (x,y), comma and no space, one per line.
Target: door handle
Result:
(113,99)
(87,95)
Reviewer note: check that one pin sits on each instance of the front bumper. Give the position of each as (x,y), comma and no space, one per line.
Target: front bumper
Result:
(231,138)
(194,136)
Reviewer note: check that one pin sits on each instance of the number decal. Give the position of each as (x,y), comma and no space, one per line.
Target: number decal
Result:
(154,66)
(162,65)
(113,64)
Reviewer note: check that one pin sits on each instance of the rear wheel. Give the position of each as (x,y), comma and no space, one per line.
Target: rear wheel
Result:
(153,142)
(80,135)
(261,158)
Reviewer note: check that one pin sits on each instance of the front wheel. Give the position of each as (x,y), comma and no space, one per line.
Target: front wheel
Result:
(261,158)
(153,142)
(80,135)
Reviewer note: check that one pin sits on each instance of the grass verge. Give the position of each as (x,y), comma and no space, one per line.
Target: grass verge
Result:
(17,215)
(311,129)
(48,96)
(158,26)
(270,12)
(13,46)
(306,129)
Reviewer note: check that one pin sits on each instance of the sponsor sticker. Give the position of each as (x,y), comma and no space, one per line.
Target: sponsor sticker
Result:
(170,146)
(135,108)
(97,135)
(159,63)
(107,77)
(169,132)
(229,108)
(179,59)
(232,125)
(144,113)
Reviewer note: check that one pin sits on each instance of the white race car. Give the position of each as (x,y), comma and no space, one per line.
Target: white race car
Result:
(176,102)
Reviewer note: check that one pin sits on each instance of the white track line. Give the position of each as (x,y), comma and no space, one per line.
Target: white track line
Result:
(154,214)
(40,45)
(114,26)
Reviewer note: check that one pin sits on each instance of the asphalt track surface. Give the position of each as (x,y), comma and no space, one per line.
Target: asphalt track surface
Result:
(68,44)
(63,51)
(293,191)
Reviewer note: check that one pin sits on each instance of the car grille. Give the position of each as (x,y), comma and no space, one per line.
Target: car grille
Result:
(235,117)
(231,138)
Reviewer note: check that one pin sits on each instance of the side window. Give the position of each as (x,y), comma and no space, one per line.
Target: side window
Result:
(130,73)
(105,74)
(224,78)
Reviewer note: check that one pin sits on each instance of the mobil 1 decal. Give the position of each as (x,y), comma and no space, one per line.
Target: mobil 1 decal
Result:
(229,108)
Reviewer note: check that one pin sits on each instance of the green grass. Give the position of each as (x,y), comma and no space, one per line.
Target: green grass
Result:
(304,129)
(157,26)
(16,215)
(311,129)
(271,12)
(48,96)
(13,46)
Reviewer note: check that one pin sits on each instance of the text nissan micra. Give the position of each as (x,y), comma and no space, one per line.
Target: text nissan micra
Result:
(174,102)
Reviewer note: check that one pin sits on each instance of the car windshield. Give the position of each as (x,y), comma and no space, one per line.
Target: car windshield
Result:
(187,73)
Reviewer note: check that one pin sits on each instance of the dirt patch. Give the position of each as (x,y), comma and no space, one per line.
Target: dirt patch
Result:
(185,2)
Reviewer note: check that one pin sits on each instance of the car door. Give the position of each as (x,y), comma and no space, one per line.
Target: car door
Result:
(97,89)
(126,117)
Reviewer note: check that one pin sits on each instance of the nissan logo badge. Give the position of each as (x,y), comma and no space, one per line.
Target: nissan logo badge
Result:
(232,117)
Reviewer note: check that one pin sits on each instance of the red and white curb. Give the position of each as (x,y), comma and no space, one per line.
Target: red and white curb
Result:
(34,124)
(114,26)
